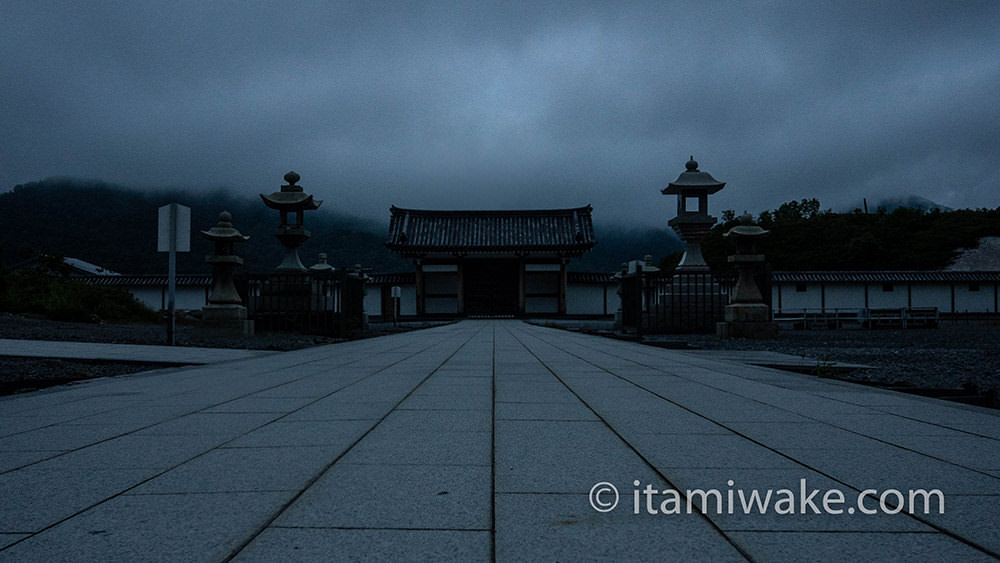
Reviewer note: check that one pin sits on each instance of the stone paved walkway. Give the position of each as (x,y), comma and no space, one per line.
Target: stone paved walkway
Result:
(480,441)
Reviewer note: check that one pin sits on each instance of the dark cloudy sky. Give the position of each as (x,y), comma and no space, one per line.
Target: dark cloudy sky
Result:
(496,104)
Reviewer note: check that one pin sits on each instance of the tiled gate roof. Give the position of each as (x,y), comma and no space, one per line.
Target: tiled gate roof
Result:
(417,232)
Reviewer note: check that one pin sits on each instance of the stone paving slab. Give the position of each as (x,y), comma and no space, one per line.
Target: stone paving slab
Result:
(488,440)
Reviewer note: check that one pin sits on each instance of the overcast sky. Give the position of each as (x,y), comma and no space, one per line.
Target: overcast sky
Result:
(500,105)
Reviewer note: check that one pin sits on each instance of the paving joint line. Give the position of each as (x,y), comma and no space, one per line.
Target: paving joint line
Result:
(196,456)
(806,416)
(158,373)
(937,527)
(630,446)
(493,446)
(277,514)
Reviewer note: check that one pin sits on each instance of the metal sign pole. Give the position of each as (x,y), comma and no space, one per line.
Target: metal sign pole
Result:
(172,278)
(173,235)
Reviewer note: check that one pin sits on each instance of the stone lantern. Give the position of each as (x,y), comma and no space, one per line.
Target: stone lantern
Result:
(747,316)
(292,202)
(225,308)
(693,223)
(322,266)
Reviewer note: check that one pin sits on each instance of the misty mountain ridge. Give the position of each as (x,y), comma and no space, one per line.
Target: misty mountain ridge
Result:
(890,204)
(115,226)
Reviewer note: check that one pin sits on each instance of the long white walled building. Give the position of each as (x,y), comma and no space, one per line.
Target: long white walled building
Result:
(151,289)
(949,291)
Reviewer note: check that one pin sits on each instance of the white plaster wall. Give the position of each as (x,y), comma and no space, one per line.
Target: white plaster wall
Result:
(974,301)
(588,299)
(373,300)
(408,300)
(852,296)
(845,296)
(185,298)
(895,299)
(150,297)
(792,300)
(932,295)
(541,305)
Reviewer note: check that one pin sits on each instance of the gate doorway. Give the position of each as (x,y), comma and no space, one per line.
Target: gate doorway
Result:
(491,287)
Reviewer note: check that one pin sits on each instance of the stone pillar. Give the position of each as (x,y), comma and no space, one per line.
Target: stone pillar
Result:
(420,287)
(562,286)
(460,281)
(521,296)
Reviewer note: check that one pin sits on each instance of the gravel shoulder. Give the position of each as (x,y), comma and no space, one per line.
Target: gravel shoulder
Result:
(19,374)
(952,356)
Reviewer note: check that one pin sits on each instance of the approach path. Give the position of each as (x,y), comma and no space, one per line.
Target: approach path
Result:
(480,441)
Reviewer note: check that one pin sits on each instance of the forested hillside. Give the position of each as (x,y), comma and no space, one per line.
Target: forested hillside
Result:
(115,227)
(803,237)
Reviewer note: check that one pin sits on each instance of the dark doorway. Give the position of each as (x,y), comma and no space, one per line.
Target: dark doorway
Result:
(490,287)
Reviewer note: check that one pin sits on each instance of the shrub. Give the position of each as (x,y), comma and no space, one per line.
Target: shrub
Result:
(37,292)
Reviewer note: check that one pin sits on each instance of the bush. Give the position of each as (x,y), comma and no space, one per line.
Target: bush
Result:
(60,298)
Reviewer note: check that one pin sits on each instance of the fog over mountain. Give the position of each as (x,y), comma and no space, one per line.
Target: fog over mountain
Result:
(544,104)
(115,227)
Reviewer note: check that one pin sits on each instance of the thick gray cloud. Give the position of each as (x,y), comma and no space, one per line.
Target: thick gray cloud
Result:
(526,104)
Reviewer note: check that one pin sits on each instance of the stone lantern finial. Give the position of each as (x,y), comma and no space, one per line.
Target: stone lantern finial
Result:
(292,177)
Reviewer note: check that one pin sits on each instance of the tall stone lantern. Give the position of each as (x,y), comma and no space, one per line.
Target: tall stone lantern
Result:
(292,202)
(225,308)
(693,223)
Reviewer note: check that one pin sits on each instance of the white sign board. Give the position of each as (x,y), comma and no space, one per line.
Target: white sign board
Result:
(397,292)
(181,234)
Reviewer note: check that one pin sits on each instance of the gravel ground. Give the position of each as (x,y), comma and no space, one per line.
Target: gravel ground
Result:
(27,374)
(953,356)
(188,334)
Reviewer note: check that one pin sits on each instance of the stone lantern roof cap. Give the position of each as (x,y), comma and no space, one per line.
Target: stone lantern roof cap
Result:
(693,181)
(224,230)
(322,265)
(291,197)
(746,231)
